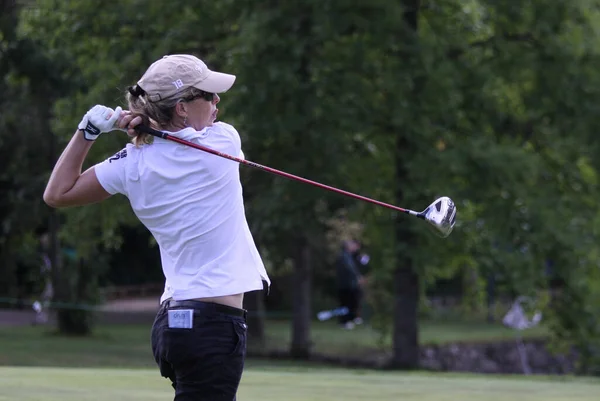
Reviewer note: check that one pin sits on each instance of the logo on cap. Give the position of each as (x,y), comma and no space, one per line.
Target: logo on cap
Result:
(178,84)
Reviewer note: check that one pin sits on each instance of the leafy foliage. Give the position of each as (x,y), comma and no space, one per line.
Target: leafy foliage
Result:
(491,102)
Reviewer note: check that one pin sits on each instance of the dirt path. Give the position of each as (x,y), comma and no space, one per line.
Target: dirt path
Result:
(141,309)
(132,305)
(16,317)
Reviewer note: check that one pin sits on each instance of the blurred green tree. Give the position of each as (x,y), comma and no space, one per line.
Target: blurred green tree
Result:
(490,89)
(489,102)
(102,48)
(29,85)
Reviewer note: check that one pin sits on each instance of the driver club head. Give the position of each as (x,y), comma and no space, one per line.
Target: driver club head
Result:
(441,215)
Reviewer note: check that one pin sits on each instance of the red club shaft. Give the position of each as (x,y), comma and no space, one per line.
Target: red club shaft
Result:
(151,131)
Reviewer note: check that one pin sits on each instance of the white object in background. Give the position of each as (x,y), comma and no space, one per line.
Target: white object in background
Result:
(328,314)
(37,306)
(517,319)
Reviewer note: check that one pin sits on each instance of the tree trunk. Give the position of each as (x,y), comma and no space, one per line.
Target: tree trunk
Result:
(55,260)
(405,342)
(9,284)
(300,344)
(74,319)
(54,247)
(300,347)
(406,283)
(406,302)
(255,304)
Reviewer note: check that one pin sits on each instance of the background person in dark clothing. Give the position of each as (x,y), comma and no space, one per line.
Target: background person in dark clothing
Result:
(349,282)
(362,262)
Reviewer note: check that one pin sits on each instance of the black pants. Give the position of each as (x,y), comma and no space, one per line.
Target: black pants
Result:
(350,298)
(204,362)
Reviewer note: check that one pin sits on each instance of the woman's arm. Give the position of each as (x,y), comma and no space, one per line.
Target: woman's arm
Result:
(67,185)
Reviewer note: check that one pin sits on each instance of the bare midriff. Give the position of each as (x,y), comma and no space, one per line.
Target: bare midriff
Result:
(236,300)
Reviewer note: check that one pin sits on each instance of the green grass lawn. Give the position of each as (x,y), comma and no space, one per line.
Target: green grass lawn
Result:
(116,364)
(129,345)
(276,383)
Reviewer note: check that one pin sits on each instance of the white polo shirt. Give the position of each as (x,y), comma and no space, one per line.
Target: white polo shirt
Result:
(191,201)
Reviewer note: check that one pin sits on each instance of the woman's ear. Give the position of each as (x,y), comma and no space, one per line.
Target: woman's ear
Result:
(180,109)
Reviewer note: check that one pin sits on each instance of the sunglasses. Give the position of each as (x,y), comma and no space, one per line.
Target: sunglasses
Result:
(209,97)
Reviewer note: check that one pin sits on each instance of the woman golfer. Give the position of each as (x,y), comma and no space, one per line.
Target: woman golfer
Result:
(191,202)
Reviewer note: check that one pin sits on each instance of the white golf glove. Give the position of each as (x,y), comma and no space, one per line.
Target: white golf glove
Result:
(97,120)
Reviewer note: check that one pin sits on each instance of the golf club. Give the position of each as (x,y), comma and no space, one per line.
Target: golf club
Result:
(441,214)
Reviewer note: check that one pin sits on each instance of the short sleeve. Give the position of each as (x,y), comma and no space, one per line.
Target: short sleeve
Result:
(235,141)
(111,173)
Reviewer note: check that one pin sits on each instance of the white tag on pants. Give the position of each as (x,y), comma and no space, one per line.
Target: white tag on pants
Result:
(181,318)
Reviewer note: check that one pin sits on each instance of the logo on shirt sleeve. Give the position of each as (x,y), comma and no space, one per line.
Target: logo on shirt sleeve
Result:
(119,155)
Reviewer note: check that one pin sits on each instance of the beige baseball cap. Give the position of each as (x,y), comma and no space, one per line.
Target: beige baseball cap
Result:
(174,73)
